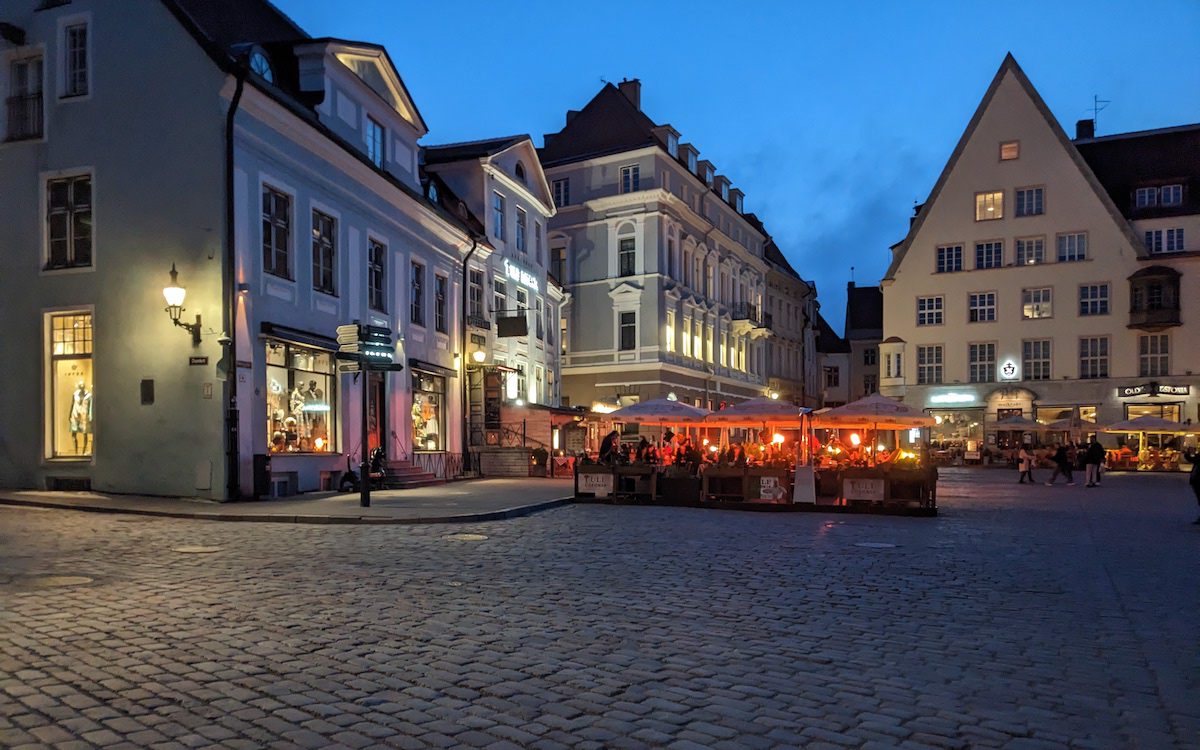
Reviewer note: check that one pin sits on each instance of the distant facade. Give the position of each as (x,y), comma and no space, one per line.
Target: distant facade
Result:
(667,277)
(1046,277)
(286,194)
(791,348)
(864,332)
(833,363)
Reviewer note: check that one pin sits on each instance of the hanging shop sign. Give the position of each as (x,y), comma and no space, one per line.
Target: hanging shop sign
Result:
(1153,389)
(1009,370)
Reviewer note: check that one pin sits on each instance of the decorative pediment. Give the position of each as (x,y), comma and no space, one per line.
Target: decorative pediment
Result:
(625,292)
(371,64)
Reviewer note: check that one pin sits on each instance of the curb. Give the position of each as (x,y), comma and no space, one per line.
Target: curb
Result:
(493,515)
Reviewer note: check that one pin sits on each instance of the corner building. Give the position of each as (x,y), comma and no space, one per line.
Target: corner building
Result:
(665,272)
(1046,277)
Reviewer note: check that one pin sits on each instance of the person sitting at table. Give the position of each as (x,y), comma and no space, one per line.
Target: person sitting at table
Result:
(609,447)
(642,446)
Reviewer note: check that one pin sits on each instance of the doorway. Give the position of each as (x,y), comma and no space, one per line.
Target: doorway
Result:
(376,410)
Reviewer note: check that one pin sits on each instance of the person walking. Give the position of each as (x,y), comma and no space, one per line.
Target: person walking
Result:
(1094,457)
(1025,463)
(1062,465)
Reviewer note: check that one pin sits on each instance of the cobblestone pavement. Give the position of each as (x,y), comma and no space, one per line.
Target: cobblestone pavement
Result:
(1022,617)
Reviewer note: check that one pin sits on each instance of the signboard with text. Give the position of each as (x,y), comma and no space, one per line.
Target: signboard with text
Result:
(863,488)
(1153,389)
(600,485)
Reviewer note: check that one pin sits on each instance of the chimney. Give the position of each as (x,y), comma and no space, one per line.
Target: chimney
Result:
(849,285)
(632,89)
(1085,129)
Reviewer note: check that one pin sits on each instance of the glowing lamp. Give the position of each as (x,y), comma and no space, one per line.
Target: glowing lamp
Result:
(777,439)
(855,439)
(712,449)
(704,442)
(319,443)
(775,395)
(478,355)
(174,294)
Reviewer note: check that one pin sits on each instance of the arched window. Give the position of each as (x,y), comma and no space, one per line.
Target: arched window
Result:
(520,171)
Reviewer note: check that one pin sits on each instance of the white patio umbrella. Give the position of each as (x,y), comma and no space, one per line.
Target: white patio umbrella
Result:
(759,411)
(1147,424)
(875,412)
(659,411)
(1073,424)
(1022,424)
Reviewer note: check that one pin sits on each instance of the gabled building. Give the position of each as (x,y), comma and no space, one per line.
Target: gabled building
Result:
(1047,278)
(864,331)
(274,176)
(666,274)
(791,349)
(833,359)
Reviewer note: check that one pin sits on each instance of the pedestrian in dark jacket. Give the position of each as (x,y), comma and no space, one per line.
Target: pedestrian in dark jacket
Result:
(1194,480)
(1094,458)
(1062,465)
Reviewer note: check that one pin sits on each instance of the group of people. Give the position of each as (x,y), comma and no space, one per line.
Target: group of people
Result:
(682,450)
(1066,457)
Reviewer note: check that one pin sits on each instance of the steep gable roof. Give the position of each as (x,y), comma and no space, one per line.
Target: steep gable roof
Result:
(608,124)
(864,312)
(449,152)
(828,342)
(1009,66)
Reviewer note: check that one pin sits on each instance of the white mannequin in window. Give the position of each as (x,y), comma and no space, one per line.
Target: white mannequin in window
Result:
(80,417)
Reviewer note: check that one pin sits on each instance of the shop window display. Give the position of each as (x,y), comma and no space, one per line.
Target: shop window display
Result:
(301,399)
(428,411)
(71,390)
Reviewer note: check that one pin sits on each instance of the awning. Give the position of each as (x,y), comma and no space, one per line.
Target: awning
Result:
(418,364)
(297,336)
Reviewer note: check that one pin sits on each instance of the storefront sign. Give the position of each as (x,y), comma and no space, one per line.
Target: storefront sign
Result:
(195,361)
(1153,389)
(863,489)
(520,275)
(770,489)
(600,485)
(1009,370)
(952,398)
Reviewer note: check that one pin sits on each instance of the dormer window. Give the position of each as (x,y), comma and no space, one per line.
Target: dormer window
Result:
(692,162)
(708,175)
(738,204)
(725,192)
(261,66)
(519,171)
(432,193)
(673,144)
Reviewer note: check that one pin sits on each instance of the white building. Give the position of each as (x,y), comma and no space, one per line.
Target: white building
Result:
(1045,277)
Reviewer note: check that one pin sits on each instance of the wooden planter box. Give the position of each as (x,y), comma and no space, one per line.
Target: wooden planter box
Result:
(724,483)
(635,482)
(679,489)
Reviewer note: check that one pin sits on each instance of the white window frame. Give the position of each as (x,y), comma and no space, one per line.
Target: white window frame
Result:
(931,311)
(631,178)
(375,137)
(979,304)
(1067,247)
(931,364)
(44,218)
(562,192)
(1175,193)
(989,251)
(499,213)
(982,201)
(945,252)
(981,362)
(1035,301)
(1097,361)
(1145,197)
(1095,299)
(1037,359)
(1030,251)
(1156,363)
(76,19)
(1030,201)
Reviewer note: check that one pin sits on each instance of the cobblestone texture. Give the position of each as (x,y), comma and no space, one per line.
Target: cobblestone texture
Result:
(1022,617)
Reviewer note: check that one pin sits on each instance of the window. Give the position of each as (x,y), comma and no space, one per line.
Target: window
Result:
(870,384)
(1072,247)
(691,162)
(375,139)
(870,356)
(498,215)
(1093,357)
(725,192)
(519,171)
(558,263)
(1145,197)
(475,293)
(929,310)
(1029,201)
(673,144)
(302,404)
(833,377)
(893,367)
(324,251)
(1035,359)
(1010,150)
(541,323)
(670,331)
(1093,299)
(416,293)
(981,307)
(626,255)
(25,99)
(70,398)
(687,336)
(1031,251)
(537,243)
(522,302)
(628,333)
(949,258)
(1173,244)
(929,364)
(989,206)
(981,360)
(75,62)
(440,288)
(1171,195)
(276,233)
(989,254)
(630,180)
(697,345)
(428,411)
(499,297)
(1037,303)
(708,340)
(562,192)
(377,275)
(721,353)
(1153,355)
(708,174)
(69,222)
(521,222)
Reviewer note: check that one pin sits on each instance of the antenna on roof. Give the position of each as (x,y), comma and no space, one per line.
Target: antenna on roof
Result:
(852,273)
(603,79)
(1098,106)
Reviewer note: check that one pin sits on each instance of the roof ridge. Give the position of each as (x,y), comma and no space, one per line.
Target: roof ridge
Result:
(1140,133)
(455,144)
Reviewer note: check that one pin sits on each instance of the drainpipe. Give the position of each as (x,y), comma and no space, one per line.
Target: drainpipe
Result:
(233,489)
(462,357)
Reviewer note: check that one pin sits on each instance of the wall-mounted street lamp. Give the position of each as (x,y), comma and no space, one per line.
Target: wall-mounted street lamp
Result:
(174,295)
(479,356)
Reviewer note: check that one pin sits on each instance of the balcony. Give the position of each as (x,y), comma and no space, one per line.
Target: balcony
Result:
(1154,319)
(480,322)
(750,320)
(24,117)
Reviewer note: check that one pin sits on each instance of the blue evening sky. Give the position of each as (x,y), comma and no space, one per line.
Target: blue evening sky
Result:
(832,117)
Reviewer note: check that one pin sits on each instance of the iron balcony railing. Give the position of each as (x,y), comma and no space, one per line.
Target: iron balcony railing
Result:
(753,314)
(24,117)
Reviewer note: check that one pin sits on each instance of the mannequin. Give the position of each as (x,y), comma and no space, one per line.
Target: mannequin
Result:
(81,418)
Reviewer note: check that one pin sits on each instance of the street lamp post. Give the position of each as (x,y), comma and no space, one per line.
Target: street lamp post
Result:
(174,294)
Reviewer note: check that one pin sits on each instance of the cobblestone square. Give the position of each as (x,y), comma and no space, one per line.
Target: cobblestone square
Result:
(1021,617)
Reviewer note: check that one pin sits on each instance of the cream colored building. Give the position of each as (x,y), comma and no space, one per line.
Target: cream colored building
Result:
(1027,283)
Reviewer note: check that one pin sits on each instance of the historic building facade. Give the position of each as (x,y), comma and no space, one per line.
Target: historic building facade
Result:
(1047,278)
(791,349)
(667,276)
(287,197)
